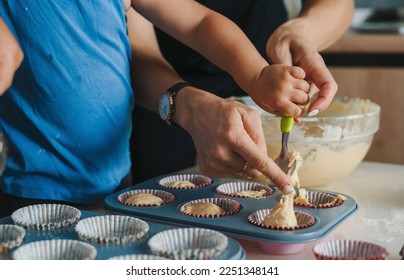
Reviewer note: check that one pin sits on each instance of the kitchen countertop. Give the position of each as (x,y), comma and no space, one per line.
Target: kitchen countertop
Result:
(370,37)
(378,188)
(355,42)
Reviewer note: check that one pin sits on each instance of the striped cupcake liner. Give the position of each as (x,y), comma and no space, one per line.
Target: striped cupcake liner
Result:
(349,250)
(11,236)
(230,207)
(321,200)
(304,220)
(198,180)
(234,188)
(188,244)
(165,196)
(111,229)
(46,216)
(55,249)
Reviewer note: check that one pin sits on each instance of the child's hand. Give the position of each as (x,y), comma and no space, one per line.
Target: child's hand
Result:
(281,89)
(290,45)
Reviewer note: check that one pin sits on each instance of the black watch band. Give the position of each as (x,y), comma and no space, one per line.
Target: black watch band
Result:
(177,87)
(167,106)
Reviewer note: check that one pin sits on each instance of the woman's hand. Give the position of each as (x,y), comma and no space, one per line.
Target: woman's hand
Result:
(228,137)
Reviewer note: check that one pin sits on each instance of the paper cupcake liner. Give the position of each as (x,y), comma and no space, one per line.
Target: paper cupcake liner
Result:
(199,180)
(165,196)
(111,229)
(232,188)
(349,250)
(11,236)
(304,220)
(188,244)
(55,249)
(46,216)
(230,206)
(320,200)
(138,257)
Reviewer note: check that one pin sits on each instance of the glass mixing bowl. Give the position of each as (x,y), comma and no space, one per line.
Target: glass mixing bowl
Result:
(331,144)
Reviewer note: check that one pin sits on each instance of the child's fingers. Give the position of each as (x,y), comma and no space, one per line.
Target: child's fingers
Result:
(297,72)
(299,97)
(294,108)
(301,85)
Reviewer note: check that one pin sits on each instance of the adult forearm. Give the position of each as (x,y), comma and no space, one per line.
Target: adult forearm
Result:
(324,21)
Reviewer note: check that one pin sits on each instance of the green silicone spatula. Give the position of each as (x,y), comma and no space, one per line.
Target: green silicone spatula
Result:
(283,159)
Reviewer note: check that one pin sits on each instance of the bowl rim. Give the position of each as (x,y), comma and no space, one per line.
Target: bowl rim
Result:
(374,112)
(247,100)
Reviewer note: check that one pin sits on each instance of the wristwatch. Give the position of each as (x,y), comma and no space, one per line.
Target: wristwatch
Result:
(166,104)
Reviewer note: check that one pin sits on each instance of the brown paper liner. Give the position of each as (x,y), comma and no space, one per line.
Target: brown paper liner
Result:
(304,220)
(165,196)
(320,200)
(349,250)
(231,188)
(199,180)
(230,206)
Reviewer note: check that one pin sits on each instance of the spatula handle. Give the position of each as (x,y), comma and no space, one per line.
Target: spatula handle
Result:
(287,124)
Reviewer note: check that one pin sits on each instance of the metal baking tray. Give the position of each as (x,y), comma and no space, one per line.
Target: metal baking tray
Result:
(234,251)
(237,225)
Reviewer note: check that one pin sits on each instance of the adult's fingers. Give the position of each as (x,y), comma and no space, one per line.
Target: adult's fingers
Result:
(232,167)
(325,95)
(251,153)
(318,73)
(297,72)
(278,52)
(253,126)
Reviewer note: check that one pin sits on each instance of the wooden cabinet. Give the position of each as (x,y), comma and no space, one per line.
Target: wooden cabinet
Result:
(372,66)
(384,86)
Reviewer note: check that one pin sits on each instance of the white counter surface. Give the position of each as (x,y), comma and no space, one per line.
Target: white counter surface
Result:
(378,188)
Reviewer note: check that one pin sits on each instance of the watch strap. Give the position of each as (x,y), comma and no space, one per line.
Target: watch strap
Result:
(177,87)
(172,91)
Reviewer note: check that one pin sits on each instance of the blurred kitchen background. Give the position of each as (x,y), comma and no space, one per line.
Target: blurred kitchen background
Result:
(368,62)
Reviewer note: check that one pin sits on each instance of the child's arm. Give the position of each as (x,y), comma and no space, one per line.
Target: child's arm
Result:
(226,133)
(222,42)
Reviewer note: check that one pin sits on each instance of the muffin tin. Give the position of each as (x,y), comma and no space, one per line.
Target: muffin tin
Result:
(233,251)
(237,224)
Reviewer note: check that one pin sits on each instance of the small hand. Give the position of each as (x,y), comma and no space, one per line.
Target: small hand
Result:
(10,57)
(280,89)
(289,45)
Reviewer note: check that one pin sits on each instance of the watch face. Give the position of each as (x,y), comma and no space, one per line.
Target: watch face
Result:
(164,106)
